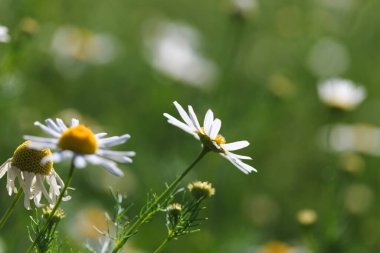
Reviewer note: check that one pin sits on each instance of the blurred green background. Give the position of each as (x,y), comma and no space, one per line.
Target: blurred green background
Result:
(118,65)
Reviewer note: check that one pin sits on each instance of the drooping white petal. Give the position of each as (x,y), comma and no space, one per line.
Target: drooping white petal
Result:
(40,185)
(4,167)
(194,118)
(242,157)
(245,168)
(209,118)
(235,145)
(216,125)
(107,164)
(47,129)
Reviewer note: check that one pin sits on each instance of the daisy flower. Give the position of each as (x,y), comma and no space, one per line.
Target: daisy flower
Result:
(209,136)
(78,142)
(25,166)
(4,35)
(341,93)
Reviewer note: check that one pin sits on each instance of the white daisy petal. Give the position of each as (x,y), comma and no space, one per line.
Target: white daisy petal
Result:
(235,145)
(100,135)
(74,122)
(113,141)
(40,146)
(41,139)
(117,153)
(47,129)
(80,162)
(4,167)
(245,166)
(209,118)
(53,125)
(242,157)
(61,124)
(235,163)
(180,124)
(194,118)
(183,114)
(215,128)
(107,164)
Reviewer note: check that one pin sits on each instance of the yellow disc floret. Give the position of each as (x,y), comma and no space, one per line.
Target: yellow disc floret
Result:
(219,139)
(27,159)
(79,139)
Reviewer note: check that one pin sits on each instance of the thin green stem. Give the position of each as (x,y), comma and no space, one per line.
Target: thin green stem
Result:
(148,212)
(162,245)
(10,208)
(59,200)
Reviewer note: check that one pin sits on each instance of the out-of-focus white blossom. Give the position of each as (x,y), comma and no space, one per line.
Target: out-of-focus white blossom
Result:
(351,138)
(341,93)
(4,36)
(245,6)
(83,45)
(173,50)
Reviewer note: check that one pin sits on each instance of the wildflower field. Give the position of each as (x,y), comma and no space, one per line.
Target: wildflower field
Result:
(234,126)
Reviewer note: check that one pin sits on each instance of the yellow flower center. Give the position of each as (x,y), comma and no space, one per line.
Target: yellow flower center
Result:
(78,139)
(219,139)
(27,159)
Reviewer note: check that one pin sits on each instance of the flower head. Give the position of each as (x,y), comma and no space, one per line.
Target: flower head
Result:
(306,216)
(26,166)
(173,214)
(81,144)
(210,137)
(340,93)
(4,36)
(201,189)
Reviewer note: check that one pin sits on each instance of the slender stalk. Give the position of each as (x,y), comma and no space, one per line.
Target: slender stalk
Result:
(148,212)
(162,245)
(10,208)
(59,200)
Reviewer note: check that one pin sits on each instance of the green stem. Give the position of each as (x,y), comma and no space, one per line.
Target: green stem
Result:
(162,245)
(148,212)
(59,200)
(10,208)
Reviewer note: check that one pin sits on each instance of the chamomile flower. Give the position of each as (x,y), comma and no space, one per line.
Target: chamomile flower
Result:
(78,142)
(209,136)
(4,35)
(25,166)
(341,93)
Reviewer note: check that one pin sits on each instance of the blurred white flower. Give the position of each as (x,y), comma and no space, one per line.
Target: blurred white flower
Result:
(244,6)
(352,138)
(173,50)
(4,36)
(83,45)
(209,136)
(341,93)
(78,142)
